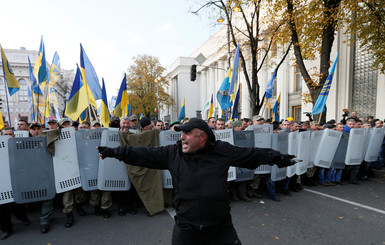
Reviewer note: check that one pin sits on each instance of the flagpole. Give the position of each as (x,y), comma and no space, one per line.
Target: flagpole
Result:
(6,96)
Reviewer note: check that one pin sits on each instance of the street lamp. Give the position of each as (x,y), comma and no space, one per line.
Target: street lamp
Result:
(157,96)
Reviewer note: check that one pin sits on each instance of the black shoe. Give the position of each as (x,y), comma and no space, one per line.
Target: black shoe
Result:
(276,199)
(256,195)
(121,212)
(97,211)
(5,235)
(339,183)
(44,228)
(234,198)
(26,222)
(354,182)
(69,220)
(80,210)
(132,211)
(313,182)
(106,213)
(245,198)
(286,192)
(148,214)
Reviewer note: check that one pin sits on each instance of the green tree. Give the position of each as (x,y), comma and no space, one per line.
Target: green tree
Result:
(145,85)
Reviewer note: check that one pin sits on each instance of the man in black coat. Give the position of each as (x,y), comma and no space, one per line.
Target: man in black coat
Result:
(199,165)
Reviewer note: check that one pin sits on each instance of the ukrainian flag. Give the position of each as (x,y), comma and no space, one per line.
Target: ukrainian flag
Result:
(12,83)
(211,108)
(319,106)
(54,71)
(235,113)
(269,89)
(104,113)
(40,68)
(90,78)
(234,76)
(37,96)
(77,101)
(223,92)
(276,108)
(182,113)
(122,100)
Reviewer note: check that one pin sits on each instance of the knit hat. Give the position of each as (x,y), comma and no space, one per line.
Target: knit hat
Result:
(144,121)
(236,123)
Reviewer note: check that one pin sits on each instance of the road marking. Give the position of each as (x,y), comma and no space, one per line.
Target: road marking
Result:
(171,212)
(347,201)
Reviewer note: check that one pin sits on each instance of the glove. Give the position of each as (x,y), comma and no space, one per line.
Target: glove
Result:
(286,160)
(105,151)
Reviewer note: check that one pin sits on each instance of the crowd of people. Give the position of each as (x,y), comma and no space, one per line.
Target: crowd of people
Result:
(149,180)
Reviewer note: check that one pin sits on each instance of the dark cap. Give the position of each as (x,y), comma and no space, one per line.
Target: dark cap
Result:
(134,117)
(35,124)
(63,120)
(115,118)
(144,122)
(52,120)
(196,123)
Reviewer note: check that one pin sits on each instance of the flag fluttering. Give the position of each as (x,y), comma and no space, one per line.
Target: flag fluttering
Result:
(37,97)
(182,113)
(211,108)
(223,96)
(77,102)
(269,89)
(276,108)
(40,68)
(234,77)
(319,106)
(54,71)
(90,79)
(122,100)
(104,113)
(235,114)
(12,83)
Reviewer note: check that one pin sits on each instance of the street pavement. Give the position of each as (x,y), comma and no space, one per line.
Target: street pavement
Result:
(348,214)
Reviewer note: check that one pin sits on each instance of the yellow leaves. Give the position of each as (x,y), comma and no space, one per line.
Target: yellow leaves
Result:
(277,238)
(306,97)
(340,217)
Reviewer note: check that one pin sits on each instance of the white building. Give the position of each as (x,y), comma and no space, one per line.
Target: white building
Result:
(355,86)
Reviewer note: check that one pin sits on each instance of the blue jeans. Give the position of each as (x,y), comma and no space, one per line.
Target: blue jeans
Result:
(271,192)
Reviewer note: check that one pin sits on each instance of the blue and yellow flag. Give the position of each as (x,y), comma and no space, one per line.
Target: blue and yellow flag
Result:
(211,108)
(54,71)
(276,108)
(234,113)
(31,107)
(269,89)
(131,109)
(1,122)
(319,106)
(90,78)
(40,68)
(77,101)
(223,92)
(234,77)
(12,83)
(37,97)
(104,113)
(122,100)
(182,113)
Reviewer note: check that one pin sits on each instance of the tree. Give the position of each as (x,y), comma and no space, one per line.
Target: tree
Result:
(247,28)
(145,85)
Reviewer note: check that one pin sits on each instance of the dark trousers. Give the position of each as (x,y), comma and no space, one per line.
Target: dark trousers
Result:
(223,234)
(5,215)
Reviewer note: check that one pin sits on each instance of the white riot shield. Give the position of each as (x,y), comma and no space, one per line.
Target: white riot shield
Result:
(231,174)
(356,146)
(6,194)
(263,135)
(21,133)
(244,174)
(292,150)
(303,152)
(315,140)
(31,168)
(327,148)
(112,174)
(168,138)
(65,161)
(224,135)
(376,137)
(339,158)
(280,143)
(88,157)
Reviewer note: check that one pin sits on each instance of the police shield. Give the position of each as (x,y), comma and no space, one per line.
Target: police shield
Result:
(21,133)
(65,161)
(280,143)
(112,174)
(263,135)
(303,152)
(292,150)
(168,138)
(327,148)
(376,137)
(224,135)
(315,140)
(356,146)
(244,139)
(87,140)
(339,158)
(31,168)
(6,195)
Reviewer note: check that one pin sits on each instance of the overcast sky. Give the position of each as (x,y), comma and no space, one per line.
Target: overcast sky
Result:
(111,32)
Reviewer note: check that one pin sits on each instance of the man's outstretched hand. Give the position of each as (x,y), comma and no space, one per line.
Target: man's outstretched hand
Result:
(105,152)
(286,160)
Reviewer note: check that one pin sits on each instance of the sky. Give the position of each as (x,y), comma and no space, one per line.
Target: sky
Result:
(111,32)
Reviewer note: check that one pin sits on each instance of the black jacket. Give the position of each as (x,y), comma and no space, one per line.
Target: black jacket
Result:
(199,179)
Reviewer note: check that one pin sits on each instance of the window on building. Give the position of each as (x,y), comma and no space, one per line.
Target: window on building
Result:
(23,92)
(297,113)
(297,79)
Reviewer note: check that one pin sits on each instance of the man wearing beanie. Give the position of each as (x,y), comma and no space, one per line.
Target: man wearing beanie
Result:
(145,124)
(198,165)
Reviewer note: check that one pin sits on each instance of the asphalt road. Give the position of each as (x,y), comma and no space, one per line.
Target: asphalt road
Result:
(349,214)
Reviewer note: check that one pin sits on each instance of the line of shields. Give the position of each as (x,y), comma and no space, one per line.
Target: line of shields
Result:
(29,173)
